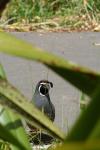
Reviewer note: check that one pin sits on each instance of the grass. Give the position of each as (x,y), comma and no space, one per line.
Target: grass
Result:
(52,14)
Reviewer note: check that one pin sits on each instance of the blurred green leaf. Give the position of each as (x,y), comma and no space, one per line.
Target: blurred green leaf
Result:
(12,122)
(12,98)
(75,74)
(2,72)
(95,134)
(4,145)
(88,119)
(92,145)
(7,136)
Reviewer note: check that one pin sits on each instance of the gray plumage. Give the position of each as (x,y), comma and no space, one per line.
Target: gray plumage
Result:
(41,99)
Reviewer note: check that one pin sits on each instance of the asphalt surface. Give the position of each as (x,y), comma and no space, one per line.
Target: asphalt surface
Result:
(82,48)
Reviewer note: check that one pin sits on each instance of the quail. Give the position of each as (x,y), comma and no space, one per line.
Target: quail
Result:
(41,98)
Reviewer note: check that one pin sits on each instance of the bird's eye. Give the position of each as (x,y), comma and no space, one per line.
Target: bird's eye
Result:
(43,90)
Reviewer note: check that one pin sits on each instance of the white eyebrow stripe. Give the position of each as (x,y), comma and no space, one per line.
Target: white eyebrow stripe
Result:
(43,83)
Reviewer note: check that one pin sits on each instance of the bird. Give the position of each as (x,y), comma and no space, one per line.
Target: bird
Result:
(41,99)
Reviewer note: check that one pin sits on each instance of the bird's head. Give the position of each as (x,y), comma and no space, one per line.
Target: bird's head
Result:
(44,86)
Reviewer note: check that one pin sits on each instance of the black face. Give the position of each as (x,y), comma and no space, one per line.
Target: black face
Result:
(44,87)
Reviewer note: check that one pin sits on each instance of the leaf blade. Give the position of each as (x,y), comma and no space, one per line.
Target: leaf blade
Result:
(10,121)
(88,119)
(7,136)
(92,145)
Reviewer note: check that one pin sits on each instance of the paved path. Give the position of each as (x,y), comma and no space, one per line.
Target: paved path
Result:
(77,47)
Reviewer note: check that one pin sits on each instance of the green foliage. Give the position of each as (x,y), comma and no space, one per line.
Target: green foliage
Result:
(14,132)
(4,145)
(71,14)
(12,122)
(20,10)
(82,129)
(29,9)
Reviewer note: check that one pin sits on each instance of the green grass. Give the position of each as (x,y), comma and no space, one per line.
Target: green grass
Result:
(73,14)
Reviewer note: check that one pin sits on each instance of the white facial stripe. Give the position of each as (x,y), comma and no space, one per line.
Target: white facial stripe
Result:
(39,90)
(41,94)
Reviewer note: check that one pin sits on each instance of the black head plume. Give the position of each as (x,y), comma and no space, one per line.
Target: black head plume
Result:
(46,82)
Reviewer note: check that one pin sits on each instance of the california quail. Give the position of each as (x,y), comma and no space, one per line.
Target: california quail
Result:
(41,98)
